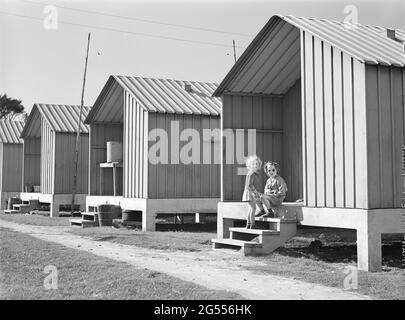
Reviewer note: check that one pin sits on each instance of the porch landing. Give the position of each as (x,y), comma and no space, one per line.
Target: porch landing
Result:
(151,207)
(369,224)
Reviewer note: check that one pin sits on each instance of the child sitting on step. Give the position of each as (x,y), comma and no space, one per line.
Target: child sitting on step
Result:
(275,189)
(250,193)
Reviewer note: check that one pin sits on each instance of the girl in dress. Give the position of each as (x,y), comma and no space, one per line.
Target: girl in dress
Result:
(275,189)
(250,193)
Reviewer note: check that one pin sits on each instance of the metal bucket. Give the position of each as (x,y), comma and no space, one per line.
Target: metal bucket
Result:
(106,214)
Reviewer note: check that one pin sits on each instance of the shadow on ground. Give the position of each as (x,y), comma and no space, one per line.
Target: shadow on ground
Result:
(338,246)
(188,227)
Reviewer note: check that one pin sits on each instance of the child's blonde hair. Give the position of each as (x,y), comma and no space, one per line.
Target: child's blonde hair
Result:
(271,163)
(251,159)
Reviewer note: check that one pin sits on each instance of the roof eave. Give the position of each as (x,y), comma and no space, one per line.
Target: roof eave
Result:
(245,55)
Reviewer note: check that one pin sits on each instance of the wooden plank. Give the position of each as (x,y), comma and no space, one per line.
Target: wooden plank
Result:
(267,146)
(303,119)
(170,168)
(188,169)
(386,156)
(349,137)
(205,168)
(258,123)
(197,168)
(215,167)
(161,168)
(227,145)
(137,141)
(237,181)
(396,83)
(319,124)
(145,155)
(126,147)
(300,161)
(373,147)
(329,131)
(152,168)
(133,126)
(310,121)
(338,129)
(360,133)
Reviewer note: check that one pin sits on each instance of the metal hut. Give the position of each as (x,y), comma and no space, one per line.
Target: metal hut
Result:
(327,101)
(48,158)
(11,147)
(167,165)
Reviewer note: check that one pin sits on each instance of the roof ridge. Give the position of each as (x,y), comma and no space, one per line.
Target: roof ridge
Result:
(164,79)
(337,21)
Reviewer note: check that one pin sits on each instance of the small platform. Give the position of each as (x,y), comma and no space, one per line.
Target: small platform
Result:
(88,219)
(273,233)
(255,231)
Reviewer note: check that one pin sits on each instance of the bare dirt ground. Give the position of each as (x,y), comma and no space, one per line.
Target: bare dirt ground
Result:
(211,269)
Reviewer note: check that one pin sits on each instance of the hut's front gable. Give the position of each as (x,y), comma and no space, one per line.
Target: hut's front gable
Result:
(348,105)
(10,158)
(49,147)
(136,106)
(272,62)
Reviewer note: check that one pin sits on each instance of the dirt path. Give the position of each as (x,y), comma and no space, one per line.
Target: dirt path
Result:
(208,269)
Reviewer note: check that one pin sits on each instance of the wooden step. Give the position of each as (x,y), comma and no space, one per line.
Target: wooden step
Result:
(20,205)
(78,222)
(8,211)
(90,216)
(247,248)
(234,243)
(279,220)
(255,231)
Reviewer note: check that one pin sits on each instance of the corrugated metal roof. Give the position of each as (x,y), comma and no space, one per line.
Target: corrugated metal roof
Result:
(165,95)
(361,42)
(61,118)
(365,43)
(170,96)
(10,131)
(399,34)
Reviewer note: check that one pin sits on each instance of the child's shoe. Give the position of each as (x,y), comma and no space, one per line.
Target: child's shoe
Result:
(270,214)
(261,213)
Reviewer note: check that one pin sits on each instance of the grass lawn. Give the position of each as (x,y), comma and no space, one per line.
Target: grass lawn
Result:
(298,259)
(82,275)
(168,240)
(36,220)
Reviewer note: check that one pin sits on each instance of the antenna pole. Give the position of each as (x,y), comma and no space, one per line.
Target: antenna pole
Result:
(234,50)
(76,159)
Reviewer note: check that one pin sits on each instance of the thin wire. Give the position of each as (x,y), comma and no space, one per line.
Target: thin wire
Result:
(123,31)
(145,20)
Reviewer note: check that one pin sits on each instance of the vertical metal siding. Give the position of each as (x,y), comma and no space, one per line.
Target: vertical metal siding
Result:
(11,167)
(99,135)
(184,180)
(65,144)
(292,143)
(1,167)
(47,158)
(263,113)
(32,162)
(385,132)
(135,149)
(334,116)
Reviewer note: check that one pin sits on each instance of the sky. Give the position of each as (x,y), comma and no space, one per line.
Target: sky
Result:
(138,38)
